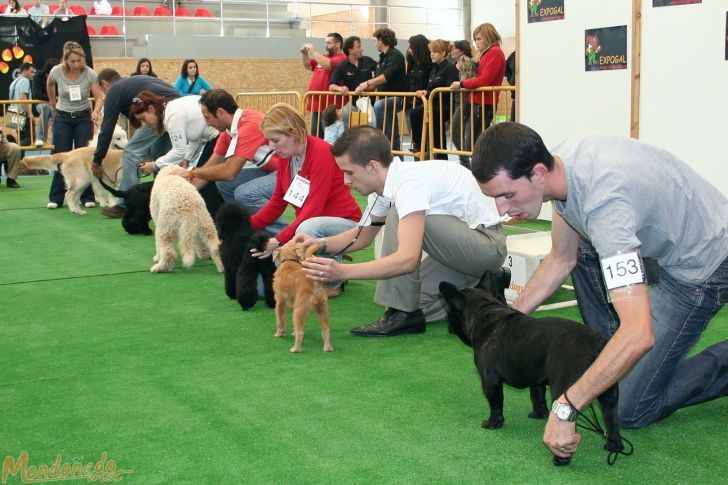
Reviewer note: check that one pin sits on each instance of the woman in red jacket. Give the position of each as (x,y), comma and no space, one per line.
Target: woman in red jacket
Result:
(491,70)
(308,179)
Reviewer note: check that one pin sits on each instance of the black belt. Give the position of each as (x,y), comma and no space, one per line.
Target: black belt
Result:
(74,114)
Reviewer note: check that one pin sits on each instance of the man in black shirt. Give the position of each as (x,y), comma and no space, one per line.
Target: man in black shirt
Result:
(120,95)
(356,69)
(390,76)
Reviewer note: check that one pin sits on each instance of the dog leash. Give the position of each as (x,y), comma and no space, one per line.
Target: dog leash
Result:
(116,176)
(594,426)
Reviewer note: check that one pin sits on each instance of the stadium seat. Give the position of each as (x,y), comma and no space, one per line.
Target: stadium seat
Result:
(52,8)
(3,7)
(91,11)
(202,12)
(27,7)
(77,9)
(141,11)
(162,12)
(120,11)
(182,12)
(109,30)
(90,29)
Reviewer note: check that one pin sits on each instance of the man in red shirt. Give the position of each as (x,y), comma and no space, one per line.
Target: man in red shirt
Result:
(322,66)
(240,142)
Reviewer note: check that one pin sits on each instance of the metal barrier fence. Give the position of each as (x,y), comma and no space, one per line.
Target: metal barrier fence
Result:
(31,123)
(262,101)
(454,117)
(390,112)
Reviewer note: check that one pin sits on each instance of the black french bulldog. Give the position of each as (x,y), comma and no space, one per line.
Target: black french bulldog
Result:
(521,351)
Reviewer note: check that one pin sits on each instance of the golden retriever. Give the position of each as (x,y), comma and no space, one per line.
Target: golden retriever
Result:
(179,212)
(292,288)
(76,169)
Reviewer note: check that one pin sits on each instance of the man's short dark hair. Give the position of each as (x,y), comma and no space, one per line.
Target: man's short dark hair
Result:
(218,98)
(363,143)
(109,75)
(337,37)
(349,44)
(386,36)
(25,66)
(512,147)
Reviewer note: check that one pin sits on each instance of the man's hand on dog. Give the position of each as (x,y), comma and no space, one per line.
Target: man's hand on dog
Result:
(323,269)
(561,437)
(97,169)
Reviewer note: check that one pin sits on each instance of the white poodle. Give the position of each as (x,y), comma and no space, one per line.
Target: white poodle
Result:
(179,212)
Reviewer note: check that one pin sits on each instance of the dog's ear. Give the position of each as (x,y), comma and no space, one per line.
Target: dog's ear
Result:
(313,249)
(453,297)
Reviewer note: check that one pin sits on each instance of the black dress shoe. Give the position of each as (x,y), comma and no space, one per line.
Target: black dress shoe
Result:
(393,322)
(12,184)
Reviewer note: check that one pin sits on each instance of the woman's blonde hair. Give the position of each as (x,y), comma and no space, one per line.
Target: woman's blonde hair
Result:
(440,45)
(488,33)
(285,119)
(73,47)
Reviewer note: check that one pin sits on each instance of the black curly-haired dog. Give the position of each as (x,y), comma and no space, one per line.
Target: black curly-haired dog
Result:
(522,351)
(237,238)
(136,200)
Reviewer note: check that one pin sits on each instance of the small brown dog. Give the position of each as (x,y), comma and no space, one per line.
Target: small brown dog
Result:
(292,288)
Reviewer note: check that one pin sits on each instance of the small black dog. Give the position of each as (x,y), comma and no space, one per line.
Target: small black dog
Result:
(521,351)
(241,269)
(136,199)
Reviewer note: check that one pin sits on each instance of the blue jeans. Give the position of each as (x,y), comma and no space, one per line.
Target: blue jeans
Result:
(391,128)
(145,141)
(44,118)
(69,133)
(664,380)
(253,188)
(325,226)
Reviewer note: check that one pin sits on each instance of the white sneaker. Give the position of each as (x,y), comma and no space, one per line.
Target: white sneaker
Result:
(39,142)
(52,205)
(89,204)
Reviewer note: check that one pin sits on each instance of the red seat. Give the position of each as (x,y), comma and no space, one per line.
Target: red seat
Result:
(182,12)
(53,7)
(162,12)
(91,11)
(141,11)
(90,29)
(77,9)
(202,12)
(120,11)
(27,7)
(3,7)
(109,30)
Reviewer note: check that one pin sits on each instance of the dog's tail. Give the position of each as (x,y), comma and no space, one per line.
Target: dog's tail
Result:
(116,193)
(43,162)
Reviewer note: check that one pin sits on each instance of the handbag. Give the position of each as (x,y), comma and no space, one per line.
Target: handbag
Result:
(15,120)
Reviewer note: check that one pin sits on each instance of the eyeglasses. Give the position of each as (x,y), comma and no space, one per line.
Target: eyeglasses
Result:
(136,101)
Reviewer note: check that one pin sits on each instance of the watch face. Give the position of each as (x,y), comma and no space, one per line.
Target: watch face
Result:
(563,412)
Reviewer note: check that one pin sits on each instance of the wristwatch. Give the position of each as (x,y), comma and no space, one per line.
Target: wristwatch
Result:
(563,411)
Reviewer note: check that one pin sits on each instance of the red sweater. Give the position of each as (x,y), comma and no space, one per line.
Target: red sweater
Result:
(491,70)
(328,196)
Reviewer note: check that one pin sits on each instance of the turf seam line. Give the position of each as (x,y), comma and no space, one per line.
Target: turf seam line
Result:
(87,276)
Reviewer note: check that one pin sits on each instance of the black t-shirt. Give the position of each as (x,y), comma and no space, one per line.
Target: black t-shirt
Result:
(392,66)
(351,76)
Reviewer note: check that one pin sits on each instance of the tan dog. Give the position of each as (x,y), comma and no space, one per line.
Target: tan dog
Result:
(293,289)
(76,169)
(179,212)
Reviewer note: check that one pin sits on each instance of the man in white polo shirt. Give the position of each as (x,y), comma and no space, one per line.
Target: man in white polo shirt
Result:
(435,206)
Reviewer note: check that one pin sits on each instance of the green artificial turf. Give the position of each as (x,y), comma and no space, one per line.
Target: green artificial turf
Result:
(174,382)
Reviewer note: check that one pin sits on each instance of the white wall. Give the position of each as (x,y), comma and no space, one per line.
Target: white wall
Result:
(684,99)
(500,13)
